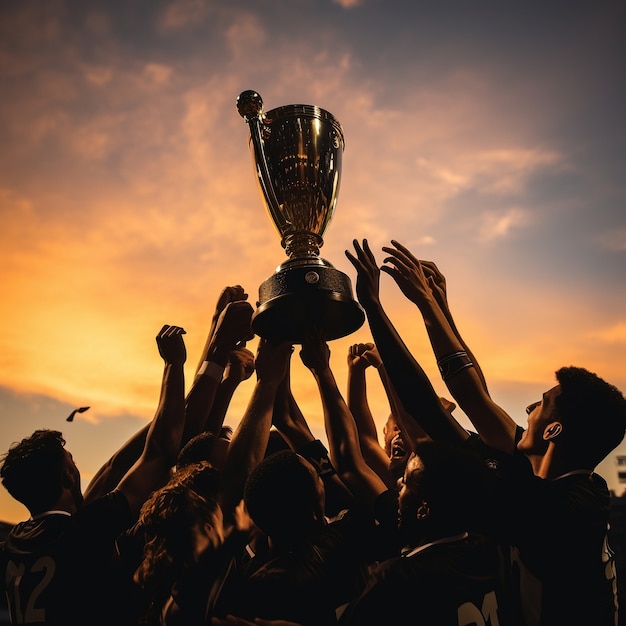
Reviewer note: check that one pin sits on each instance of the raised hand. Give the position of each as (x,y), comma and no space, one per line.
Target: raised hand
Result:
(368,273)
(171,345)
(233,326)
(240,365)
(362,355)
(408,273)
(272,360)
(229,294)
(315,353)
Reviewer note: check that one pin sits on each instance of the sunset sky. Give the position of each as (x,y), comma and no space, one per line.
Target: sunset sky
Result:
(489,137)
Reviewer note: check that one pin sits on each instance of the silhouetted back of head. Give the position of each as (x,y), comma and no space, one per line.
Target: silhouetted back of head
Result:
(196,450)
(169,519)
(282,496)
(32,470)
(456,486)
(593,413)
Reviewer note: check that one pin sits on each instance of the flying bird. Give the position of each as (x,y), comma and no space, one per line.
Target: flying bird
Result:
(70,417)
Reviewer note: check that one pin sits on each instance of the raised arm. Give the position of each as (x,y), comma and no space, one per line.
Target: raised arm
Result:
(437,283)
(229,294)
(287,417)
(165,431)
(410,382)
(249,441)
(495,427)
(240,367)
(289,420)
(360,357)
(343,439)
(231,320)
(231,331)
(410,428)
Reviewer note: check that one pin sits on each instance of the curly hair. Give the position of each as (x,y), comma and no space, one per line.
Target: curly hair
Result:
(169,519)
(32,469)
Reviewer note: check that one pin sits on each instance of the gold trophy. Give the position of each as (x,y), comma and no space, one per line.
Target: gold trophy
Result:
(297,152)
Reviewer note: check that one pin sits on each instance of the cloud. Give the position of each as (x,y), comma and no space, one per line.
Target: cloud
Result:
(181,14)
(502,171)
(500,224)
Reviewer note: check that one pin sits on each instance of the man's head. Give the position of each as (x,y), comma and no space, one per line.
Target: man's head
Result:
(180,521)
(205,446)
(445,489)
(284,496)
(37,470)
(583,414)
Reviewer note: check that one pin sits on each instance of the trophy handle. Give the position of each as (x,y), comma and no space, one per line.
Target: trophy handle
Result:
(263,173)
(250,107)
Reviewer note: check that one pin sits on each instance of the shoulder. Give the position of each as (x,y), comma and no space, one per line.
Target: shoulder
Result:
(109,514)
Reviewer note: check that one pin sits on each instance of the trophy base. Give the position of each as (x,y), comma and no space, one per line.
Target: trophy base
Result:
(301,296)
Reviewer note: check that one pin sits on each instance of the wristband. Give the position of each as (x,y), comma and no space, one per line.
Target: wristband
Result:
(316,453)
(212,370)
(453,364)
(313,451)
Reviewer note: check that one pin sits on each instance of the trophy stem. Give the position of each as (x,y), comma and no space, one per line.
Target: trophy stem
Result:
(302,245)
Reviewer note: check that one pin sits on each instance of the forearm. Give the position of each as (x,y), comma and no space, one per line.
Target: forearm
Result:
(359,406)
(165,432)
(200,401)
(345,451)
(409,426)
(110,474)
(445,310)
(465,382)
(247,446)
(410,382)
(217,414)
(294,426)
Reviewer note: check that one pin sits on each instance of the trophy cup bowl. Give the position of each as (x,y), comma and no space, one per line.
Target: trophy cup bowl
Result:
(297,151)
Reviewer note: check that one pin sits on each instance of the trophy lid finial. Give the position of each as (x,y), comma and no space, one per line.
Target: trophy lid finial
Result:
(249,104)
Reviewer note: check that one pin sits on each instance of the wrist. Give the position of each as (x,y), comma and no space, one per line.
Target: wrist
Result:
(453,363)
(211,369)
(217,354)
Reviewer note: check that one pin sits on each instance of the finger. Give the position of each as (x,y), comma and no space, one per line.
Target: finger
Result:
(368,251)
(399,264)
(397,254)
(360,253)
(392,271)
(405,250)
(174,330)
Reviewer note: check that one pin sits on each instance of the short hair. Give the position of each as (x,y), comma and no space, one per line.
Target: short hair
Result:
(455,482)
(199,448)
(281,495)
(593,412)
(32,469)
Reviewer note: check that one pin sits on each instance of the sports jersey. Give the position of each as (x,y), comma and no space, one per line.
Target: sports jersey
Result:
(451,581)
(311,583)
(561,560)
(56,565)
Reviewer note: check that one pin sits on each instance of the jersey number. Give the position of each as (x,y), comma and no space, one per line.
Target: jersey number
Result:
(14,576)
(469,614)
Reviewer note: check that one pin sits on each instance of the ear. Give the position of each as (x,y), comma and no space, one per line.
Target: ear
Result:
(423,510)
(552,431)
